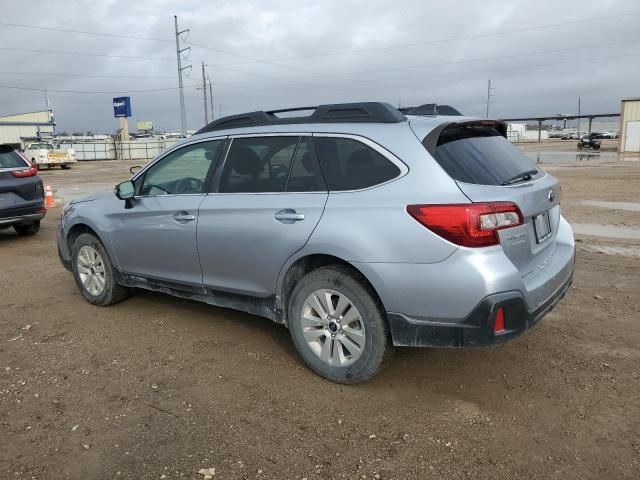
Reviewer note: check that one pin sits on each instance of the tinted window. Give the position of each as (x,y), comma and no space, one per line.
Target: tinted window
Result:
(305,173)
(10,159)
(348,164)
(258,164)
(181,172)
(479,154)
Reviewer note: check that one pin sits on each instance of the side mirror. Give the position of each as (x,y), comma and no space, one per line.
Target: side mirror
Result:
(134,169)
(125,190)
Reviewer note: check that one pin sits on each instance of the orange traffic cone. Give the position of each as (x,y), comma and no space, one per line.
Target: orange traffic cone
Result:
(49,199)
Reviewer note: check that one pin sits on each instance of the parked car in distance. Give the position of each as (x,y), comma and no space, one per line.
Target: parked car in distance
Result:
(21,193)
(47,155)
(589,141)
(358,227)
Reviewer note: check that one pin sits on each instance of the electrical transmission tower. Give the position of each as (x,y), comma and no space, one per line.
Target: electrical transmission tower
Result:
(179,52)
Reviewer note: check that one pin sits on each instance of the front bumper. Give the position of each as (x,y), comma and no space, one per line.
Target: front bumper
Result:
(477,328)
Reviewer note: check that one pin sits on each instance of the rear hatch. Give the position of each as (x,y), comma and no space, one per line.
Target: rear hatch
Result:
(21,191)
(488,168)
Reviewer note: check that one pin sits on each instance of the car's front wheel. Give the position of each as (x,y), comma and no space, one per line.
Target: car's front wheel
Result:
(94,273)
(338,325)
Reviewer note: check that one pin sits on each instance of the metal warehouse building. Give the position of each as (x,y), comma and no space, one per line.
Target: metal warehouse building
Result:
(630,125)
(14,128)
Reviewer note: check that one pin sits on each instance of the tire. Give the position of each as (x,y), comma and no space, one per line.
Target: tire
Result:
(596,147)
(65,166)
(90,259)
(27,229)
(342,363)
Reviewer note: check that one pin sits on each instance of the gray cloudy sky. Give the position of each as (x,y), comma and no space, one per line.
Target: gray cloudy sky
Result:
(539,54)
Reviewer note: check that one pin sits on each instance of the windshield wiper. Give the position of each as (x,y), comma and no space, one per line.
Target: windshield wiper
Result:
(521,177)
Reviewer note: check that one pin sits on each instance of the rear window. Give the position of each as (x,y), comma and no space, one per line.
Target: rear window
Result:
(480,154)
(10,159)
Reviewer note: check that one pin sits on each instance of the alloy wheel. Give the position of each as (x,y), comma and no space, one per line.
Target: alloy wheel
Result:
(333,327)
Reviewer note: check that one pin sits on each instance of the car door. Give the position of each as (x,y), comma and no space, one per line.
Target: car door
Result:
(155,239)
(269,197)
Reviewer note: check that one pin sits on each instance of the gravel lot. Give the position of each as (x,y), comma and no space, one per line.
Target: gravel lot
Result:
(157,387)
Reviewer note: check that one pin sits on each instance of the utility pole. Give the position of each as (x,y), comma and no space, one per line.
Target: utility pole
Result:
(489,95)
(213,113)
(579,137)
(204,93)
(183,118)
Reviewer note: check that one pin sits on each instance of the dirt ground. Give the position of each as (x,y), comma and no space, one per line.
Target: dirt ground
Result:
(157,387)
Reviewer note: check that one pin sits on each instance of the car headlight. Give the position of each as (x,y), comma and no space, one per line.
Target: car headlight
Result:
(66,209)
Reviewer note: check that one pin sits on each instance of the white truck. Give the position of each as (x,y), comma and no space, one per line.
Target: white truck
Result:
(46,155)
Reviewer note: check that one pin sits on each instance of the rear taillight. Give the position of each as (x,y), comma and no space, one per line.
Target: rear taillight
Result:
(468,224)
(32,171)
(498,324)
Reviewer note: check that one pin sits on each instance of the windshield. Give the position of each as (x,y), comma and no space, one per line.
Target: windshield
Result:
(480,154)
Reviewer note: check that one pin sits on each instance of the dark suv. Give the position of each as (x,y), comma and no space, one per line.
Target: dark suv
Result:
(21,193)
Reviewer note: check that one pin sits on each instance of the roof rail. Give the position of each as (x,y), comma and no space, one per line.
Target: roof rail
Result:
(362,112)
(431,109)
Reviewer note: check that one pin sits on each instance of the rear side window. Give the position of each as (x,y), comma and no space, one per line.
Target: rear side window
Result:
(348,164)
(10,159)
(258,165)
(480,154)
(305,173)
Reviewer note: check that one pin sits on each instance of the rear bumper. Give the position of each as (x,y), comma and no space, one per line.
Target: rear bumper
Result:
(477,328)
(22,219)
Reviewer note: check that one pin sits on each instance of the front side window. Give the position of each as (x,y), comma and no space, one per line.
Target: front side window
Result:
(349,164)
(183,171)
(258,165)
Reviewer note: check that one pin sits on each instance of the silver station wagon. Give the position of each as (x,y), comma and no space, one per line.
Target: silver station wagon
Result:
(358,226)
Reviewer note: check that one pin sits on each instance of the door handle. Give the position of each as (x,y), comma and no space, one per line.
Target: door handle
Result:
(184,217)
(289,215)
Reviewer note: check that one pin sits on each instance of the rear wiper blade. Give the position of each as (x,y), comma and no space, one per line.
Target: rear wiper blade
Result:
(521,177)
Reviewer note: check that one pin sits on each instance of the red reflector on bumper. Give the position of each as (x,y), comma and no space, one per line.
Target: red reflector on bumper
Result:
(498,326)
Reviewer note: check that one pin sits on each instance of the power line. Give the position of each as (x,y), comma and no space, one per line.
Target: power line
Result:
(447,40)
(84,32)
(504,69)
(479,59)
(83,75)
(85,54)
(113,92)
(252,59)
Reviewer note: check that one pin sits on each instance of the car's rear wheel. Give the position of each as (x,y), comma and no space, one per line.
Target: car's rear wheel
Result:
(65,166)
(27,229)
(94,273)
(338,325)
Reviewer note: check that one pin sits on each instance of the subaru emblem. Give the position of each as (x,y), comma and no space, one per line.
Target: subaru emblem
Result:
(551,196)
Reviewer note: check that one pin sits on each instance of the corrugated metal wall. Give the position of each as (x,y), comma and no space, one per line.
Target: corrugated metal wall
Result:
(631,113)
(12,133)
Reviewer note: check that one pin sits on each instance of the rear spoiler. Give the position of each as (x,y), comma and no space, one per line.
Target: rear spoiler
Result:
(430,142)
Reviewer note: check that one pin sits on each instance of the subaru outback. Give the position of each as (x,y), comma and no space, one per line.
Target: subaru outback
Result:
(357,226)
